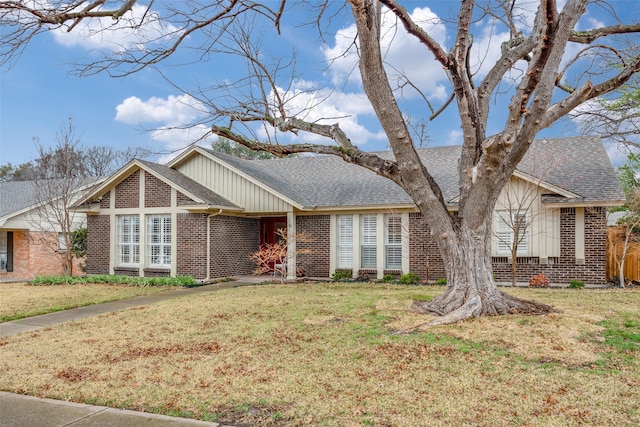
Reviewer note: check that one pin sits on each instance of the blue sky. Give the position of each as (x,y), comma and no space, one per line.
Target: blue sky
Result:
(39,93)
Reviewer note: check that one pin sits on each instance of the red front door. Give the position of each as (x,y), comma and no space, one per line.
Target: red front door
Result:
(269,229)
(269,235)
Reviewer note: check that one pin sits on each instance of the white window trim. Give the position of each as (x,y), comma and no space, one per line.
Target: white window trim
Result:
(119,244)
(395,244)
(163,244)
(380,242)
(504,233)
(343,244)
(3,251)
(369,241)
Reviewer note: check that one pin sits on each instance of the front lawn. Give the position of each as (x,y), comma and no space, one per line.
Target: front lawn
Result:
(341,354)
(24,300)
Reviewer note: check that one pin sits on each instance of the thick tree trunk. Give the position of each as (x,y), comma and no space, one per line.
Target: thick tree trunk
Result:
(471,291)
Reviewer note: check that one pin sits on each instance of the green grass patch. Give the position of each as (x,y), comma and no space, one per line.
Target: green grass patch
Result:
(20,300)
(623,334)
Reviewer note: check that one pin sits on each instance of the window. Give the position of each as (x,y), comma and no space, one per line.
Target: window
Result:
(345,241)
(507,224)
(128,239)
(62,242)
(368,241)
(393,242)
(159,240)
(3,251)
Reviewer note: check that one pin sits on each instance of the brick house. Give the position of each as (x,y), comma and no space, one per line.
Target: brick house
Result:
(30,240)
(205,212)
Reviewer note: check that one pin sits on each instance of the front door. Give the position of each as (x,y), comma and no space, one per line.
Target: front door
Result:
(270,234)
(269,228)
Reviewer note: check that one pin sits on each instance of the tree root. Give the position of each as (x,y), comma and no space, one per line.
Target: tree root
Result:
(469,309)
(451,310)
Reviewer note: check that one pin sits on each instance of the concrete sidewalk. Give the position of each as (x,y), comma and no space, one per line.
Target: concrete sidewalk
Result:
(27,411)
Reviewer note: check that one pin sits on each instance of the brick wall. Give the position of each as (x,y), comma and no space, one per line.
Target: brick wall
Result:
(21,257)
(126,271)
(156,272)
(424,255)
(98,244)
(157,194)
(192,245)
(127,192)
(105,202)
(183,199)
(315,263)
(34,255)
(233,240)
(565,269)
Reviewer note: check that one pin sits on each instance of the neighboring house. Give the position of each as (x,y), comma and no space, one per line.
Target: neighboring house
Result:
(30,243)
(205,212)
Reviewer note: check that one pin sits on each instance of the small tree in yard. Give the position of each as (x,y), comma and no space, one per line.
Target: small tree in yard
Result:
(550,62)
(273,256)
(622,240)
(513,225)
(626,236)
(517,209)
(60,179)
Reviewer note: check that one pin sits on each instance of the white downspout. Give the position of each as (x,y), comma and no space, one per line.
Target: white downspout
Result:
(208,277)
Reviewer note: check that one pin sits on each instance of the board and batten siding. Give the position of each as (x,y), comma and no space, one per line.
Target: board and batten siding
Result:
(544,233)
(232,186)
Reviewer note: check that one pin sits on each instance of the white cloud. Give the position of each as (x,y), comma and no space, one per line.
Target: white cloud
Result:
(135,29)
(404,54)
(617,154)
(328,107)
(174,110)
(486,49)
(454,137)
(176,140)
(174,118)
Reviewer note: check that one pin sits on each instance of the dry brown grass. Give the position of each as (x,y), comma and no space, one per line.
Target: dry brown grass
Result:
(24,300)
(335,354)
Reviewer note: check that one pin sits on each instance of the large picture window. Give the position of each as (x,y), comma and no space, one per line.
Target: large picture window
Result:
(393,242)
(345,241)
(368,249)
(158,240)
(128,240)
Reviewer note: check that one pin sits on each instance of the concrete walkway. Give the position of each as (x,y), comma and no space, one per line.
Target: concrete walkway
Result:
(27,411)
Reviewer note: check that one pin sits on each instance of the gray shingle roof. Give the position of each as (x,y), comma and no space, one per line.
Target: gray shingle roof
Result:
(16,196)
(578,164)
(189,185)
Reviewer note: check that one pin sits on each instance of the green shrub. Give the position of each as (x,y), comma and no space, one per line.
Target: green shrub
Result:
(409,279)
(576,284)
(440,282)
(121,280)
(388,278)
(341,275)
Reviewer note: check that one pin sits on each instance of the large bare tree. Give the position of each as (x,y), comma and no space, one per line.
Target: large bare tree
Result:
(546,86)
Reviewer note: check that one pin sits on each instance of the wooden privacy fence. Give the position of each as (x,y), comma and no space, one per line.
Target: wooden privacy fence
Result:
(615,245)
